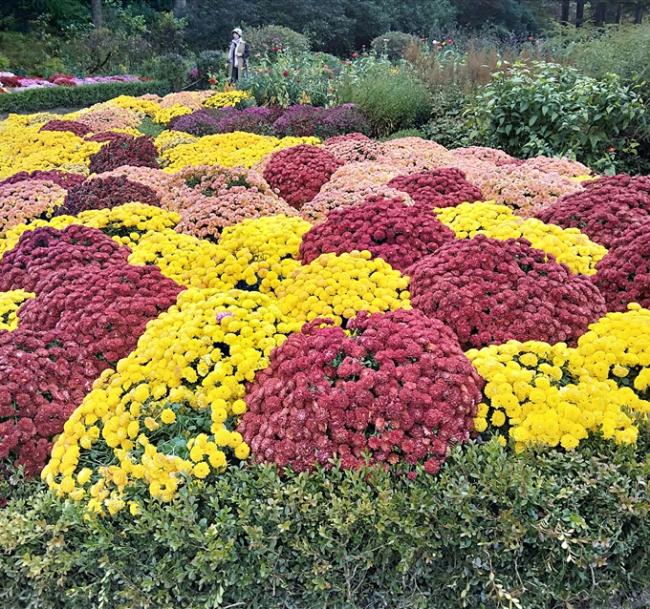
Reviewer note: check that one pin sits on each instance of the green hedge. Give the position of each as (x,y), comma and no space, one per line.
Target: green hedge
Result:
(489,531)
(34,100)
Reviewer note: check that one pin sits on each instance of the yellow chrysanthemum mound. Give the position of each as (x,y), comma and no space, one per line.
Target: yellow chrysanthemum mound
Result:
(223,99)
(25,148)
(146,107)
(234,149)
(568,245)
(258,254)
(185,259)
(164,115)
(10,302)
(531,397)
(617,348)
(127,223)
(338,287)
(171,406)
(166,140)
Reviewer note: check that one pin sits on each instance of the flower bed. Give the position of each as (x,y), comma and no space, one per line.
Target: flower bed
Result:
(172,329)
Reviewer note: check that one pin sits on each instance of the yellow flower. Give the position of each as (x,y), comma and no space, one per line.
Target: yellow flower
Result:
(201,470)
(168,416)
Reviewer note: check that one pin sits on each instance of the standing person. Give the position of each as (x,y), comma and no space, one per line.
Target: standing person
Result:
(236,55)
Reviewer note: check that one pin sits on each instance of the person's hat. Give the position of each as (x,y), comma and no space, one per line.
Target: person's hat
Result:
(237,30)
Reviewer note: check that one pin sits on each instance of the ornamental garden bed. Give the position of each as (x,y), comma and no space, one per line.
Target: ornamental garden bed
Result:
(293,366)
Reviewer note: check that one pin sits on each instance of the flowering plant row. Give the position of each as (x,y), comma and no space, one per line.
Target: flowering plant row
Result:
(203,300)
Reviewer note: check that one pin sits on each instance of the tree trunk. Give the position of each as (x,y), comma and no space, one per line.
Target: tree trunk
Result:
(638,14)
(566,6)
(96,12)
(601,14)
(180,7)
(580,12)
(619,12)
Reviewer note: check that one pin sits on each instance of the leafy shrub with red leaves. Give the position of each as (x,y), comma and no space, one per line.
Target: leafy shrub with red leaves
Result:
(605,209)
(623,275)
(45,250)
(73,126)
(490,291)
(398,389)
(60,178)
(438,188)
(298,173)
(133,151)
(390,229)
(108,192)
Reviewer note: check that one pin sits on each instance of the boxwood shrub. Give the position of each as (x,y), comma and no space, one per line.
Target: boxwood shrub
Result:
(491,530)
(34,100)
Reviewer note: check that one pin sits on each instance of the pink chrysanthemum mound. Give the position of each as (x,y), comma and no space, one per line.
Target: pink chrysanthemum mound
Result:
(132,151)
(398,388)
(438,188)
(491,291)
(298,173)
(623,275)
(28,200)
(40,252)
(604,210)
(103,193)
(389,228)
(78,129)
(60,178)
(353,148)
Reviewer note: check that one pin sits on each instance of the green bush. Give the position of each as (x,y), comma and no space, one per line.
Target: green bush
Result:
(556,111)
(34,100)
(490,531)
(448,125)
(270,40)
(391,98)
(210,62)
(171,68)
(393,44)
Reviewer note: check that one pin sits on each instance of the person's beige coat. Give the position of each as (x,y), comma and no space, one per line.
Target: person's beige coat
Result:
(239,57)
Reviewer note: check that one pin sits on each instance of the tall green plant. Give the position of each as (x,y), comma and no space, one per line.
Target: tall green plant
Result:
(554,110)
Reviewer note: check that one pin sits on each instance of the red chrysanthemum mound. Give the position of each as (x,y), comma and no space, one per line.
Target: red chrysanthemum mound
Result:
(298,173)
(133,151)
(72,126)
(438,188)
(389,228)
(60,178)
(103,310)
(106,136)
(623,275)
(43,251)
(398,388)
(83,321)
(605,209)
(490,291)
(102,193)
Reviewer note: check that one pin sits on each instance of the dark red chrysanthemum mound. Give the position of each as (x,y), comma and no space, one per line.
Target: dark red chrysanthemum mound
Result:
(45,250)
(107,136)
(74,127)
(60,178)
(43,381)
(103,310)
(438,188)
(605,209)
(298,173)
(102,193)
(491,291)
(90,310)
(389,228)
(623,275)
(133,151)
(399,389)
